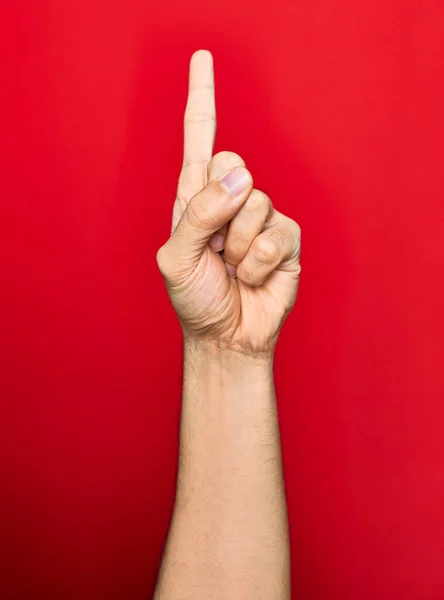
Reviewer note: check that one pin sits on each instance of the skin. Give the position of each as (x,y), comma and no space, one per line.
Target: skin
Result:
(231,267)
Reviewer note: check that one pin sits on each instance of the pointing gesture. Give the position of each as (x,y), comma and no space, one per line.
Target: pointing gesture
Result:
(199,131)
(231,265)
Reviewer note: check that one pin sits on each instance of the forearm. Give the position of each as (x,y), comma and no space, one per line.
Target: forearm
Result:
(229,534)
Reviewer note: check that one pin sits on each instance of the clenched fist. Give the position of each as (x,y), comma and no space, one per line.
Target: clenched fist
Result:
(231,265)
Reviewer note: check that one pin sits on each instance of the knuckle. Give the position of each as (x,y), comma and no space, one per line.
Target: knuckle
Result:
(258,200)
(236,245)
(265,251)
(288,237)
(282,235)
(193,162)
(247,276)
(162,260)
(228,158)
(244,274)
(296,229)
(199,117)
(292,226)
(296,238)
(237,240)
(222,162)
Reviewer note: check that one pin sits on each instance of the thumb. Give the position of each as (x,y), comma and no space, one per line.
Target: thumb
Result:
(206,213)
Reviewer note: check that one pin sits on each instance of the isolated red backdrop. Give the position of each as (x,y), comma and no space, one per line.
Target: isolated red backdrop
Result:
(337,109)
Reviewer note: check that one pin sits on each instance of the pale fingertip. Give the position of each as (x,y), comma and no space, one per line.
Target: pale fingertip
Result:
(249,280)
(231,270)
(201,66)
(217,242)
(202,54)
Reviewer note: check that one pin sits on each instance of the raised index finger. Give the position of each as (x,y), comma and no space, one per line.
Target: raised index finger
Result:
(199,131)
(200,114)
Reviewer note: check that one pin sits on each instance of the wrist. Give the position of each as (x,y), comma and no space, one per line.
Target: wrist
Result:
(218,355)
(224,351)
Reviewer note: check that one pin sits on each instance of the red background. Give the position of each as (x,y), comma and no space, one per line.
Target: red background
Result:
(337,108)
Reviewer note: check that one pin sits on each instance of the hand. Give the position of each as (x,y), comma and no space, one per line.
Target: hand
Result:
(231,265)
